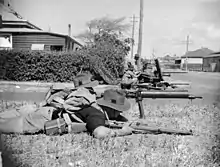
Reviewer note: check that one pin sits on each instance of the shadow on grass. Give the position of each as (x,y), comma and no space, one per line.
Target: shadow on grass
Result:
(8,159)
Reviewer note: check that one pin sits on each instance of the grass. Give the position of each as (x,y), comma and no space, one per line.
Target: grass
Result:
(202,149)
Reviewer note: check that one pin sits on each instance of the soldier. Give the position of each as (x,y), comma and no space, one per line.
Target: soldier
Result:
(30,119)
(130,77)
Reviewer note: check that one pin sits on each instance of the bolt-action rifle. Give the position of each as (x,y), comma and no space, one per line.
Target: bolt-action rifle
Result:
(144,128)
(138,128)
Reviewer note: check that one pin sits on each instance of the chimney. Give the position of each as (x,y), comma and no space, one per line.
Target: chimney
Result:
(2,2)
(1,21)
(5,3)
(69,30)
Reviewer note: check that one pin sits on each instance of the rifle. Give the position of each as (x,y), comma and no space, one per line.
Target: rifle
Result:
(138,128)
(143,128)
(139,95)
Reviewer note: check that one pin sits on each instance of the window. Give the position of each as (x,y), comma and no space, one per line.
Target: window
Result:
(37,47)
(56,47)
(5,41)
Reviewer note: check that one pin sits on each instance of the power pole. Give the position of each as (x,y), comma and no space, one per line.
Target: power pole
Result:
(133,29)
(187,49)
(153,54)
(140,34)
(186,43)
(49,29)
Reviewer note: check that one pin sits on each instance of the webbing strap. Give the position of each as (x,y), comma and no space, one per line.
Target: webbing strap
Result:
(58,125)
(76,118)
(68,121)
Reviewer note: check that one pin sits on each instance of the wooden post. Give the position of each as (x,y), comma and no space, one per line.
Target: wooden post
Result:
(187,49)
(132,45)
(140,34)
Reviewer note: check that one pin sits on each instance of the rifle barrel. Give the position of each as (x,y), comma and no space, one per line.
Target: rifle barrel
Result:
(179,83)
(181,95)
(163,94)
(159,89)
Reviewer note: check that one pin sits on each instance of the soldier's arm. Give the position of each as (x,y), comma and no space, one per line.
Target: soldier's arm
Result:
(104,132)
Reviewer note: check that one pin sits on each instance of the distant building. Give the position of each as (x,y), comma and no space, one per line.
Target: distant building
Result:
(211,62)
(194,59)
(17,33)
(170,62)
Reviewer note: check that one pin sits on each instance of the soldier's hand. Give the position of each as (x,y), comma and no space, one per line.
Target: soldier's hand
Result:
(127,129)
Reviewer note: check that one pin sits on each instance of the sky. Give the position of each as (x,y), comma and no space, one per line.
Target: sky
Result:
(166,23)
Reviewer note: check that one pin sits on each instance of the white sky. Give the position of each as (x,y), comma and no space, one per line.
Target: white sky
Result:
(166,22)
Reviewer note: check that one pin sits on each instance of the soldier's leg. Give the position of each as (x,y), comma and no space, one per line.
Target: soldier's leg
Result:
(16,112)
(29,123)
(13,125)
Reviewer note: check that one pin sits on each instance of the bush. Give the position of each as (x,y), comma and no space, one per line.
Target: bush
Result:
(21,65)
(104,58)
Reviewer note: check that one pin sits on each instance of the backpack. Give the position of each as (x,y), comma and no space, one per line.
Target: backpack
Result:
(68,102)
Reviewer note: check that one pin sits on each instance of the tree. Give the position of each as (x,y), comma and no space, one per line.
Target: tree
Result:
(101,25)
(110,51)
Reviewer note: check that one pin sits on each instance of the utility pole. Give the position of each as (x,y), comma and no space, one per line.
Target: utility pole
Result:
(153,54)
(49,29)
(187,49)
(133,30)
(186,43)
(140,34)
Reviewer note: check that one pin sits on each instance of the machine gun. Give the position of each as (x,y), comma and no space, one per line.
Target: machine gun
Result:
(139,95)
(157,81)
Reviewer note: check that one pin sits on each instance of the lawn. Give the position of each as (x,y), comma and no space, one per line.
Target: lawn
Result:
(202,149)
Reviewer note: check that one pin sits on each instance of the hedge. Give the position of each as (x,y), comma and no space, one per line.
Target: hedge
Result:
(24,65)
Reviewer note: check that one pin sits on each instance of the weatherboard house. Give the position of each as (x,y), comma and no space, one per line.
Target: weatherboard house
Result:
(193,60)
(17,33)
(211,62)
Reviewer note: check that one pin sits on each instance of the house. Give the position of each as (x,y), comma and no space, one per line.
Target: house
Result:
(169,62)
(212,62)
(17,33)
(193,60)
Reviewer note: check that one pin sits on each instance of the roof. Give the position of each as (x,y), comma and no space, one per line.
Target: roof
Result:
(215,54)
(79,40)
(10,30)
(199,53)
(7,14)
(34,31)
(10,17)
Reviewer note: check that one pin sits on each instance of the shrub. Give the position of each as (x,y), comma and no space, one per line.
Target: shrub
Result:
(104,58)
(24,65)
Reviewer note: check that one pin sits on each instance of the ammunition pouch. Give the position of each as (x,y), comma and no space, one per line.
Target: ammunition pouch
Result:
(55,127)
(64,125)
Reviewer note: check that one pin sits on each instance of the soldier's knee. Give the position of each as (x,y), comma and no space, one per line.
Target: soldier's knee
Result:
(101,132)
